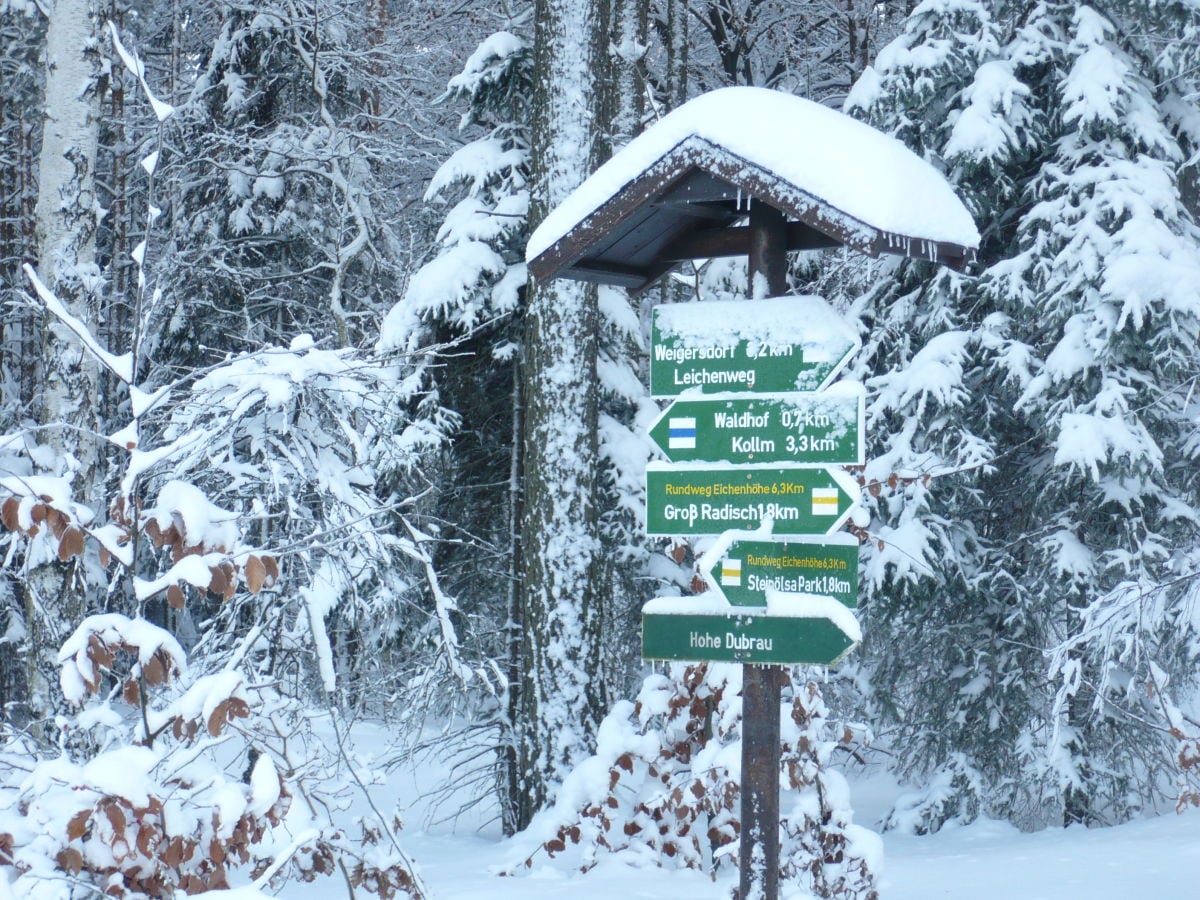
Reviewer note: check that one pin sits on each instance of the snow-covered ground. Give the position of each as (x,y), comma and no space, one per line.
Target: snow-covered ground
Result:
(988,860)
(1157,858)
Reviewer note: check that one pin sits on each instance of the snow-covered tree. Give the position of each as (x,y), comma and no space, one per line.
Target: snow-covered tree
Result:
(1048,399)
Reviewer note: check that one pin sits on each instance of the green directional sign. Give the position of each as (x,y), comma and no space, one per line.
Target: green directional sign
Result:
(734,637)
(748,569)
(695,500)
(811,429)
(759,346)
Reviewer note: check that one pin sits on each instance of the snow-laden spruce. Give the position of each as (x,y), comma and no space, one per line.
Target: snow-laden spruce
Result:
(1048,565)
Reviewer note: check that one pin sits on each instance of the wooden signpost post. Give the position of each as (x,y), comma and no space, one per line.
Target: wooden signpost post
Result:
(755,422)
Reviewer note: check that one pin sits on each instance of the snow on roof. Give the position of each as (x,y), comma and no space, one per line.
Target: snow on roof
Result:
(845,163)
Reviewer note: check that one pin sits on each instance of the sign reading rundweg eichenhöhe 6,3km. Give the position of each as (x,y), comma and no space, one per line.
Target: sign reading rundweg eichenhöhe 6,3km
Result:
(704,500)
(784,344)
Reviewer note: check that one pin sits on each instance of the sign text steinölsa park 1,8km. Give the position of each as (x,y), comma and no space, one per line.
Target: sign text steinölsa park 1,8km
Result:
(752,566)
(787,344)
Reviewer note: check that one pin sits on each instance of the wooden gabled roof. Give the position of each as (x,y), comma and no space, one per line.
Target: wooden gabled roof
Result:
(686,206)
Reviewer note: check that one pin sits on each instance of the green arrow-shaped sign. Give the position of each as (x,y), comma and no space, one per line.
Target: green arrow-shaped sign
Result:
(822,428)
(696,500)
(694,628)
(742,569)
(759,346)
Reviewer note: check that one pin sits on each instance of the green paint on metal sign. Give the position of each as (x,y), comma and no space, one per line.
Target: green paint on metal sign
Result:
(765,640)
(750,346)
(807,429)
(691,500)
(750,568)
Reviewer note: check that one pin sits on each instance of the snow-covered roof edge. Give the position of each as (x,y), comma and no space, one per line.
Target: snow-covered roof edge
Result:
(852,170)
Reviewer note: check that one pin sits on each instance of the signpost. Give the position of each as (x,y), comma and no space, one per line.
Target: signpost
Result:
(696,500)
(783,344)
(683,195)
(795,428)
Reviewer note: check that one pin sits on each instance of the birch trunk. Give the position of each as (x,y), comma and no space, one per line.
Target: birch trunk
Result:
(65,215)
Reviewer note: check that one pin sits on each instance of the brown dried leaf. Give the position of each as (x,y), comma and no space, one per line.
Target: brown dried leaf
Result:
(105,557)
(154,672)
(10,513)
(70,543)
(145,839)
(70,860)
(218,718)
(173,855)
(255,574)
(679,552)
(217,583)
(272,571)
(238,709)
(131,693)
(38,512)
(77,827)
(874,488)
(116,818)
(555,846)
(58,522)
(230,574)
(153,532)
(99,653)
(175,597)
(625,761)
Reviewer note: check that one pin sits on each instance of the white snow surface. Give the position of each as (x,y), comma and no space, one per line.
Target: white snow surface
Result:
(847,164)
(460,858)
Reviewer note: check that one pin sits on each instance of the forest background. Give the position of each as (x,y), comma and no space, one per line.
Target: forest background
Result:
(288,435)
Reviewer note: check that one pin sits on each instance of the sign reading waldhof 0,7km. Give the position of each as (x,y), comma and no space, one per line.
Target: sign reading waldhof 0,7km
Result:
(697,500)
(781,344)
(802,428)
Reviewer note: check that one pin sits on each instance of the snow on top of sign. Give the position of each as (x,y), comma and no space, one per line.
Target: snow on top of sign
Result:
(780,605)
(814,606)
(801,320)
(849,165)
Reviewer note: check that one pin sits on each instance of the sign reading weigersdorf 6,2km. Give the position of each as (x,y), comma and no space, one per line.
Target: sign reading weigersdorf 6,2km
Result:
(704,500)
(788,344)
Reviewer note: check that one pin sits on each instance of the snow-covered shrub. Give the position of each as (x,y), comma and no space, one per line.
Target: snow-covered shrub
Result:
(663,788)
(155,809)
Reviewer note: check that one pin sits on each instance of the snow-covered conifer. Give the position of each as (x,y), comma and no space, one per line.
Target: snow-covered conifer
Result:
(1047,399)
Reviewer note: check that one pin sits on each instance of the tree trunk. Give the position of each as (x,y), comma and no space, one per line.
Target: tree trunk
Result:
(66,241)
(630,34)
(560,702)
